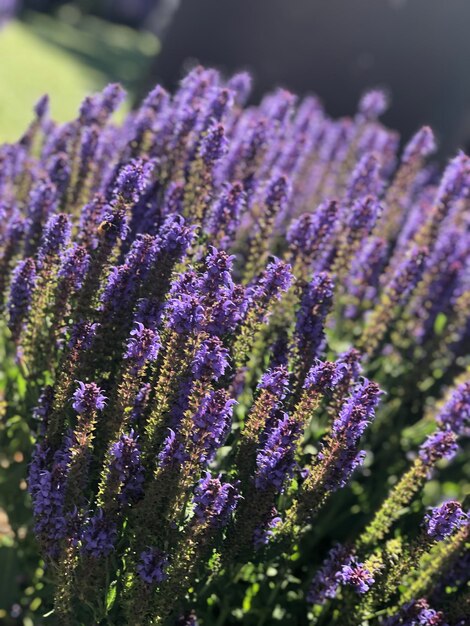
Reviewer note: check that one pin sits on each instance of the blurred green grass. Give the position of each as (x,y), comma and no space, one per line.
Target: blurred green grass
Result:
(67,60)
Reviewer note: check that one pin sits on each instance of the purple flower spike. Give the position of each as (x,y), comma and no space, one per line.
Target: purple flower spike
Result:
(133,179)
(440,445)
(455,415)
(276,381)
(357,412)
(275,280)
(74,266)
(213,145)
(421,145)
(55,237)
(356,575)
(126,464)
(212,422)
(416,613)
(88,398)
(324,376)
(275,462)
(214,501)
(98,536)
(211,360)
(143,346)
(315,304)
(152,565)
(325,583)
(442,521)
(21,291)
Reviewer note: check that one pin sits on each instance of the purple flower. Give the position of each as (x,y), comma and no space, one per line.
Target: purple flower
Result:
(133,179)
(442,521)
(310,234)
(152,565)
(440,445)
(455,182)
(125,465)
(21,291)
(315,304)
(276,279)
(325,583)
(88,398)
(225,213)
(212,422)
(211,360)
(47,484)
(82,335)
(276,381)
(324,376)
(172,452)
(240,84)
(214,501)
(373,103)
(185,312)
(356,575)
(416,613)
(74,266)
(263,533)
(364,181)
(213,145)
(143,346)
(357,412)
(343,466)
(276,460)
(99,535)
(455,415)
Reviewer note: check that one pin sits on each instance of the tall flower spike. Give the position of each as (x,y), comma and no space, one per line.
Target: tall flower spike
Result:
(21,290)
(212,422)
(357,412)
(275,461)
(55,237)
(315,304)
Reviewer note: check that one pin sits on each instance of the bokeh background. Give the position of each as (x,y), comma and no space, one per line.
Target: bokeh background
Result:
(419,50)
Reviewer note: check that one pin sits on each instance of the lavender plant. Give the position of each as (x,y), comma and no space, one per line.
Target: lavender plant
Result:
(222,314)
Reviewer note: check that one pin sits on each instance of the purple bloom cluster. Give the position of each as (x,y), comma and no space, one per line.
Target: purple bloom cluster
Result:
(325,583)
(214,501)
(143,346)
(88,398)
(202,255)
(444,520)
(126,465)
(416,613)
(98,535)
(152,565)
(275,461)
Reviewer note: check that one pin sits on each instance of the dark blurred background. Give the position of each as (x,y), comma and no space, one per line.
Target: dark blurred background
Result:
(417,49)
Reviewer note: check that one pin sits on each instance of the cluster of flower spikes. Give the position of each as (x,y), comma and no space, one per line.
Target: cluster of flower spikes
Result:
(188,363)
